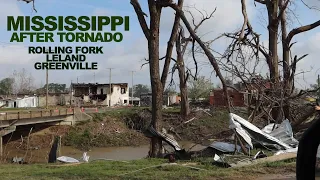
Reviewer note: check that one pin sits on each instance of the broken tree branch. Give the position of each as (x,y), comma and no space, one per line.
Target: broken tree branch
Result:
(301,29)
(171,41)
(140,15)
(205,49)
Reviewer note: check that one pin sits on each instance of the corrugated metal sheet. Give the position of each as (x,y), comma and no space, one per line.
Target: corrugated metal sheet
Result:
(283,132)
(256,134)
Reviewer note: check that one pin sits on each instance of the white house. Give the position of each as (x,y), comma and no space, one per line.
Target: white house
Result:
(119,93)
(20,102)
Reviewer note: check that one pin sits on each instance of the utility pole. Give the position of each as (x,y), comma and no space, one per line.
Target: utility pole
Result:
(47,86)
(132,87)
(94,77)
(71,93)
(318,82)
(110,85)
(77,80)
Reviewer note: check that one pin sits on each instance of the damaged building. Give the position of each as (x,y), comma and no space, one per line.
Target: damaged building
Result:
(100,93)
(146,99)
(19,102)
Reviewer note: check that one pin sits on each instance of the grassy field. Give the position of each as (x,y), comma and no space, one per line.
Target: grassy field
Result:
(140,169)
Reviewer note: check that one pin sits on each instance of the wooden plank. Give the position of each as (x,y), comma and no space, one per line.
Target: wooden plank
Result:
(280,157)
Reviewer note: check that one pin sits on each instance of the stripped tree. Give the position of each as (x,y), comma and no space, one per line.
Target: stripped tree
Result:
(182,43)
(282,86)
(158,81)
(152,35)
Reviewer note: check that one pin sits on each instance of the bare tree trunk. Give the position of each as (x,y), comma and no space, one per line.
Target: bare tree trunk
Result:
(273,41)
(185,109)
(273,27)
(184,104)
(156,85)
(286,63)
(207,52)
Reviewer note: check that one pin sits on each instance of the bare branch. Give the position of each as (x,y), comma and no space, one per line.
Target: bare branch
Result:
(245,19)
(170,46)
(33,6)
(301,29)
(140,15)
(310,7)
(283,9)
(210,56)
(261,1)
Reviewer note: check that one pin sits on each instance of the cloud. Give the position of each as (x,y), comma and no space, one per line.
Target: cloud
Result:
(16,55)
(9,8)
(128,56)
(309,64)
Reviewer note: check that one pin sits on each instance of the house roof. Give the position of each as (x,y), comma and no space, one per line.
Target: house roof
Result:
(96,84)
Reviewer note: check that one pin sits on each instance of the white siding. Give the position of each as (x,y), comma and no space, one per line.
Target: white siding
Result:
(27,102)
(2,103)
(116,97)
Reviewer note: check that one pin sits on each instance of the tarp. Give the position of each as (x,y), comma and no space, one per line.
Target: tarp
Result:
(240,124)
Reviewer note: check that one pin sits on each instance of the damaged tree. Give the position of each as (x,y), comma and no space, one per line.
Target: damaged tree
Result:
(183,78)
(157,83)
(207,52)
(152,35)
(181,45)
(277,100)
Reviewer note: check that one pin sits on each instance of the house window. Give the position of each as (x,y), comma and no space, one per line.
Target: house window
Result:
(123,90)
(125,101)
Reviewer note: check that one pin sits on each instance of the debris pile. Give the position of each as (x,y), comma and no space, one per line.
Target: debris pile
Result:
(273,137)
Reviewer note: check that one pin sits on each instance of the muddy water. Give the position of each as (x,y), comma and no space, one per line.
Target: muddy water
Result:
(115,153)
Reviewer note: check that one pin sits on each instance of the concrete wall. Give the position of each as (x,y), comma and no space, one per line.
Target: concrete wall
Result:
(52,101)
(55,100)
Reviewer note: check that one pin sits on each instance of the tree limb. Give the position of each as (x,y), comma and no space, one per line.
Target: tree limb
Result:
(245,19)
(261,1)
(140,15)
(170,46)
(205,49)
(301,29)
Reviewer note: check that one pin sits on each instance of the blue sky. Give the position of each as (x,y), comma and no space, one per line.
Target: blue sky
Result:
(128,55)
